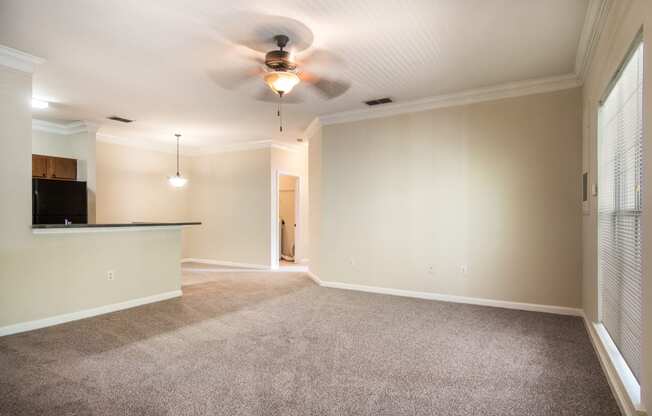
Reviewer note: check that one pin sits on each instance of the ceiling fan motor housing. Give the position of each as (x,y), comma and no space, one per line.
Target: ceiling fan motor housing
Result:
(279,60)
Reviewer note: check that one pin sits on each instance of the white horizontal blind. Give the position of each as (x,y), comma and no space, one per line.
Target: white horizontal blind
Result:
(620,168)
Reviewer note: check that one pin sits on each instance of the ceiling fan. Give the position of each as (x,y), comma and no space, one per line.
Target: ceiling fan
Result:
(282,71)
(279,69)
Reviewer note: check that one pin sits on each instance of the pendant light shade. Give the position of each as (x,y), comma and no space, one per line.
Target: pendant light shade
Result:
(177,180)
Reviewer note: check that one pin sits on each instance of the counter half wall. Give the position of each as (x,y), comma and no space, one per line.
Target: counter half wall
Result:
(64,276)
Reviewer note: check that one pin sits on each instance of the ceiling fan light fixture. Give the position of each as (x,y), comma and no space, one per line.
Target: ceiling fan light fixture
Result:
(281,82)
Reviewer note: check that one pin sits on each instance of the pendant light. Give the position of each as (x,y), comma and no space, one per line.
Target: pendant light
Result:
(177,180)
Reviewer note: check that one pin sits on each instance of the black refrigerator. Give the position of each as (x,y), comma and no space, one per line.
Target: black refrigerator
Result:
(58,202)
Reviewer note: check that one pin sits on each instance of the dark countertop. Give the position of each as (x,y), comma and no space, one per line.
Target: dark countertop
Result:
(132,224)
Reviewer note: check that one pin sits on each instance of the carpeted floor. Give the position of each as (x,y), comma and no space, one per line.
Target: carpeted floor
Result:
(276,344)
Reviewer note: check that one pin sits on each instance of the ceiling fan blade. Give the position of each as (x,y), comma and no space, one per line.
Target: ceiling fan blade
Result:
(234,78)
(256,31)
(327,88)
(320,58)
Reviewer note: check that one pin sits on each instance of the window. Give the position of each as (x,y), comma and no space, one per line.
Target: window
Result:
(620,169)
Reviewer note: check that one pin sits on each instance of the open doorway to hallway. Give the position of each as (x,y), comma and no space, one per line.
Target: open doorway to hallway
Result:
(288,207)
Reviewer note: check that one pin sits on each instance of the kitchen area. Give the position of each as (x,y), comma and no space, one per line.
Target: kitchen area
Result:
(52,272)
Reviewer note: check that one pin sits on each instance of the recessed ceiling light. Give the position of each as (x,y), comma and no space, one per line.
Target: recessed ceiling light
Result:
(40,104)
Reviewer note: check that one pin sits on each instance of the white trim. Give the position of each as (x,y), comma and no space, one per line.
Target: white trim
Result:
(225,263)
(192,151)
(623,384)
(144,144)
(533,307)
(250,145)
(281,269)
(594,22)
(80,230)
(64,129)
(86,313)
(232,147)
(508,90)
(312,128)
(290,147)
(15,59)
(314,278)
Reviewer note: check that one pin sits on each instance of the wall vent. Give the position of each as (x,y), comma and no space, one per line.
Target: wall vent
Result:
(378,101)
(120,119)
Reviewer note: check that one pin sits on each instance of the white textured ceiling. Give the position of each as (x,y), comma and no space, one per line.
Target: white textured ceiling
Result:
(155,60)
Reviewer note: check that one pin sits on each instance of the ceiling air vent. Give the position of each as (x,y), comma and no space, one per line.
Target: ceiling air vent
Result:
(379,101)
(120,119)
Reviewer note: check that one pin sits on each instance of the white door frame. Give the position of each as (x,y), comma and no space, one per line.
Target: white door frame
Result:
(275,249)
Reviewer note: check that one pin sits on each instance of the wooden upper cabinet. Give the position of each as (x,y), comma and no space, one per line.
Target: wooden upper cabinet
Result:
(54,167)
(39,166)
(64,168)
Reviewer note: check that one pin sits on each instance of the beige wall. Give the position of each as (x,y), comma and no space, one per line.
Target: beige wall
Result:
(231,194)
(314,192)
(51,144)
(406,201)
(132,185)
(625,20)
(63,273)
(46,275)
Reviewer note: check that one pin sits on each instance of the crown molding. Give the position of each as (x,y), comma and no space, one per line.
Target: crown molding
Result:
(509,90)
(66,129)
(142,144)
(15,59)
(193,151)
(312,129)
(594,23)
(244,146)
(289,147)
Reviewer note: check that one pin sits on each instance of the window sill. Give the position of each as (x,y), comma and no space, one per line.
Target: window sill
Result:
(628,383)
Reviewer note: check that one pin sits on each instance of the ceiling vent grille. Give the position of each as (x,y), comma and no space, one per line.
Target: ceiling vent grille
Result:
(379,101)
(120,119)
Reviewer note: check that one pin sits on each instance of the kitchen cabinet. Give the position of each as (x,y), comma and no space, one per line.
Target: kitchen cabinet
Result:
(51,167)
(39,166)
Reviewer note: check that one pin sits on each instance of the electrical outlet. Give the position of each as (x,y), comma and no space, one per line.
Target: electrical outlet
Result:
(464,268)
(110,275)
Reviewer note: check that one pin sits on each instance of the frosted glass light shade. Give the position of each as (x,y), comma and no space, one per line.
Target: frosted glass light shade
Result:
(177,181)
(281,82)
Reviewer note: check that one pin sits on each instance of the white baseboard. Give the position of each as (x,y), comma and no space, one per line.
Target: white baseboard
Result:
(225,263)
(559,310)
(627,394)
(314,278)
(86,313)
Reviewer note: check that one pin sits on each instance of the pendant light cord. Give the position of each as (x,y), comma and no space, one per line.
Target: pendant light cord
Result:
(178,135)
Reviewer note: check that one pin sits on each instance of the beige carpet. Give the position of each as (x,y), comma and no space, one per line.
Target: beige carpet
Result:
(276,344)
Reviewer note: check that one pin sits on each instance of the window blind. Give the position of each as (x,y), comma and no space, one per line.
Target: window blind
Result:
(620,169)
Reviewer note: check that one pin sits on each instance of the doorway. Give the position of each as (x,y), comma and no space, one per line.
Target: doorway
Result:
(287,191)
(287,219)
